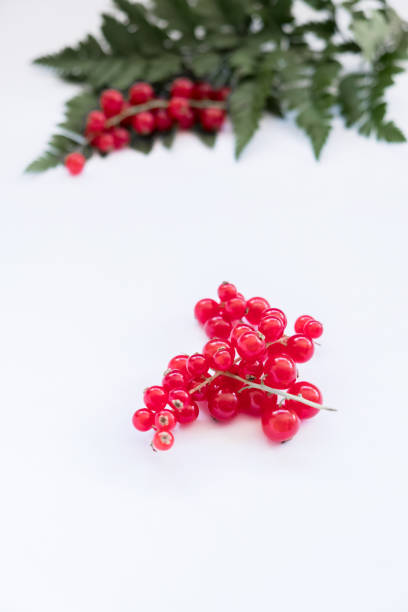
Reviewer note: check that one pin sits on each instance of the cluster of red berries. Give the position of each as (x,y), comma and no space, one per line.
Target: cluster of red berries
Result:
(248,362)
(109,128)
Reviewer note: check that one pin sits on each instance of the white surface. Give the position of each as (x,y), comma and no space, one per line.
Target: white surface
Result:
(99,276)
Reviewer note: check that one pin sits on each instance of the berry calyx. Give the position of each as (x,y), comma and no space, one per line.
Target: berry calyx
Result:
(307,391)
(163,440)
(74,163)
(143,419)
(111,102)
(143,123)
(280,425)
(300,348)
(165,420)
(140,93)
(155,398)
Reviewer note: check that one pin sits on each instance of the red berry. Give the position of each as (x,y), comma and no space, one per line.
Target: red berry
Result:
(234,309)
(187,413)
(121,138)
(206,309)
(226,291)
(202,393)
(202,91)
(221,94)
(173,379)
(179,398)
(143,419)
(165,420)
(250,370)
(214,345)
(300,348)
(95,122)
(163,120)
(217,327)
(143,123)
(223,405)
(179,108)
(272,328)
(140,93)
(126,120)
(212,118)
(255,307)
(276,312)
(313,329)
(163,440)
(187,120)
(251,401)
(301,322)
(182,88)
(277,348)
(179,362)
(197,365)
(280,425)
(222,360)
(111,102)
(104,142)
(155,398)
(74,163)
(238,330)
(280,371)
(251,346)
(307,391)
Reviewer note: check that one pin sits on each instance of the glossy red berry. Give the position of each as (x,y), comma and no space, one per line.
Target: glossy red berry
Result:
(300,348)
(178,398)
(250,370)
(187,413)
(307,391)
(277,348)
(220,94)
(143,123)
(251,401)
(163,440)
(104,142)
(212,119)
(280,372)
(255,307)
(182,88)
(155,398)
(276,312)
(143,419)
(217,327)
(301,322)
(197,365)
(95,122)
(238,330)
(173,379)
(165,420)
(222,360)
(140,93)
(234,309)
(74,163)
(187,120)
(272,328)
(223,405)
(251,346)
(226,291)
(202,91)
(179,108)
(313,329)
(179,362)
(163,120)
(280,425)
(212,346)
(121,138)
(111,102)
(206,309)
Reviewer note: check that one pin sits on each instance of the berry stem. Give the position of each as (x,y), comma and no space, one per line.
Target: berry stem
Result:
(206,382)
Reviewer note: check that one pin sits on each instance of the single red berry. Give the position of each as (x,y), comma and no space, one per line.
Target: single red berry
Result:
(226,291)
(140,93)
(220,94)
(155,398)
(187,413)
(223,405)
(307,391)
(173,379)
(143,123)
(121,138)
(222,360)
(251,401)
(206,309)
(238,330)
(280,371)
(280,425)
(74,163)
(163,440)
(276,312)
(255,307)
(251,346)
(202,91)
(201,394)
(300,348)
(163,120)
(278,348)
(217,327)
(313,329)
(250,370)
(111,102)
(234,309)
(179,108)
(214,345)
(212,118)
(197,365)
(95,122)
(179,398)
(187,120)
(182,88)
(301,322)
(179,362)
(165,420)
(272,328)
(143,419)
(104,142)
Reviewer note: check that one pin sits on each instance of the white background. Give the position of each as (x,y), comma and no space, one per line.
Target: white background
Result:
(98,277)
